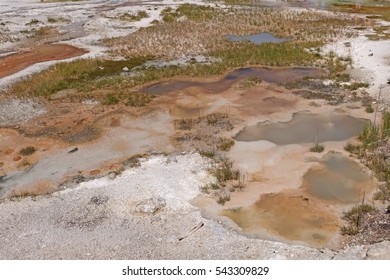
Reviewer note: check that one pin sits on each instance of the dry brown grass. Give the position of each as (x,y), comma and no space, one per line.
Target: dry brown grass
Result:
(373,11)
(207,34)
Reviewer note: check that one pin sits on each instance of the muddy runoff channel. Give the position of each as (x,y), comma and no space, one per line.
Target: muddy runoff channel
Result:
(290,195)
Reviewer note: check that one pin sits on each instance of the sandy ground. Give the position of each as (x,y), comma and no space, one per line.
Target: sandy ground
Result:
(370,61)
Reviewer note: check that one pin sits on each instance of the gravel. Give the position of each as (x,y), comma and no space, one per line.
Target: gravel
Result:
(18,111)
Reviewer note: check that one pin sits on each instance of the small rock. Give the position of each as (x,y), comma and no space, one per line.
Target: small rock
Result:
(352,253)
(99,200)
(277,257)
(150,205)
(379,251)
(125,69)
(73,150)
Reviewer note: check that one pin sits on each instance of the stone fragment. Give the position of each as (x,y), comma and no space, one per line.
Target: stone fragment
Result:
(150,205)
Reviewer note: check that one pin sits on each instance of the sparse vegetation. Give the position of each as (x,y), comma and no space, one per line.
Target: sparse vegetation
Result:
(84,75)
(374,152)
(383,193)
(354,218)
(130,17)
(225,144)
(43,30)
(374,12)
(134,99)
(201,30)
(249,82)
(317,148)
(224,172)
(188,11)
(33,22)
(205,135)
(369,109)
(223,198)
(352,148)
(356,85)
(56,19)
(370,136)
(110,99)
(28,151)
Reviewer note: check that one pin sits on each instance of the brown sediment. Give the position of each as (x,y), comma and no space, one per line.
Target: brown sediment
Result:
(270,75)
(14,63)
(289,215)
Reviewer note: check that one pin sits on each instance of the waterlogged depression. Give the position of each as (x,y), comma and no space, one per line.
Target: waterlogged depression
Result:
(304,128)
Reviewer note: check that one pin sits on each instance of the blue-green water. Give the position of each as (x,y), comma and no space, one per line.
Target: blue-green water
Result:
(257,39)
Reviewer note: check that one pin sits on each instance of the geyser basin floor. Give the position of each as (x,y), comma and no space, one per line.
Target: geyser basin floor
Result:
(308,214)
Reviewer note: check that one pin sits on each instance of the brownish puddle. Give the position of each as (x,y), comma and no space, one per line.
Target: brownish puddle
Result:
(287,215)
(311,213)
(283,75)
(304,128)
(338,180)
(13,63)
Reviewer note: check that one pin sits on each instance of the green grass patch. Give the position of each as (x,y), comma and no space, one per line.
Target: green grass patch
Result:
(225,144)
(33,22)
(225,172)
(356,85)
(249,82)
(369,109)
(133,99)
(352,148)
(383,193)
(56,19)
(189,11)
(268,54)
(370,136)
(82,75)
(317,148)
(386,124)
(137,17)
(354,217)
